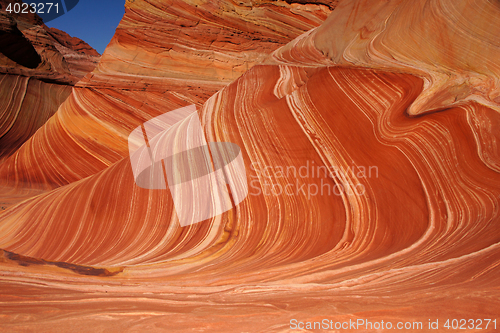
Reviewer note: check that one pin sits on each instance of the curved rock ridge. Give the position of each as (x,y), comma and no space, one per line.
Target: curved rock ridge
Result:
(30,48)
(199,41)
(380,105)
(451,45)
(425,224)
(361,205)
(73,43)
(26,104)
(162,57)
(37,75)
(80,57)
(59,63)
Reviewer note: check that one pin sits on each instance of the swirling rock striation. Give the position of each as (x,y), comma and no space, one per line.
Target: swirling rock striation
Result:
(26,104)
(362,204)
(207,43)
(30,48)
(162,57)
(454,56)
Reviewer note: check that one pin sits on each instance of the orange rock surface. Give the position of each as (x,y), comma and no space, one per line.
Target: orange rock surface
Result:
(398,98)
(30,48)
(26,104)
(37,72)
(147,70)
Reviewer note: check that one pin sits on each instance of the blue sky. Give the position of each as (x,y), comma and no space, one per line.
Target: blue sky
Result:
(93,21)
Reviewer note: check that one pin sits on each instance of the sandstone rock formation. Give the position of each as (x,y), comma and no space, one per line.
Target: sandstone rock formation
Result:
(163,56)
(374,182)
(73,43)
(209,43)
(30,48)
(26,104)
(38,67)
